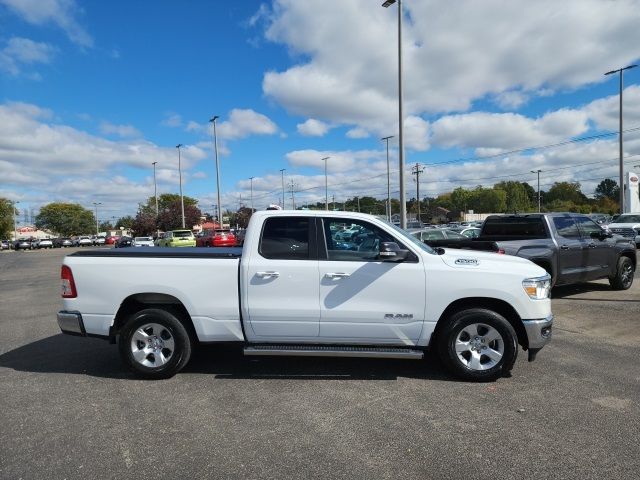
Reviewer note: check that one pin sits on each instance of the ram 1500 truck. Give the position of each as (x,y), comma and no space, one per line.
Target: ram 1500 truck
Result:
(571,247)
(294,290)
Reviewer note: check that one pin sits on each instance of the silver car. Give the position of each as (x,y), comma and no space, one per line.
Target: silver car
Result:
(142,242)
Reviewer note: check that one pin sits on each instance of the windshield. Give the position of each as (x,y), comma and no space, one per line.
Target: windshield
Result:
(143,239)
(410,238)
(182,234)
(628,219)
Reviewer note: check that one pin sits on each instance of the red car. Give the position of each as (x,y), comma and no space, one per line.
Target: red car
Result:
(216,238)
(110,240)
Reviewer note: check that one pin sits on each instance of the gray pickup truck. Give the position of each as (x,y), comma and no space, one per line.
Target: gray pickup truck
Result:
(570,246)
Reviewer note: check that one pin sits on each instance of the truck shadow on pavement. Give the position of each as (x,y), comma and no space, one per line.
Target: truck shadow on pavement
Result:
(568,292)
(94,357)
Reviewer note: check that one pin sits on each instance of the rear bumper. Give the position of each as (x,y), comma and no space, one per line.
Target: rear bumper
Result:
(539,332)
(71,323)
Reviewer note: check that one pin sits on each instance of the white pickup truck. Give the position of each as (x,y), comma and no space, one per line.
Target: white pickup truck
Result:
(296,289)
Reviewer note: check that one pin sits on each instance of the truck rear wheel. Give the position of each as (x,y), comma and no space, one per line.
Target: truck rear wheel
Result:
(623,279)
(478,345)
(154,344)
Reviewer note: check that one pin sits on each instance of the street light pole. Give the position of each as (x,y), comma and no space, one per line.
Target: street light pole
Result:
(155,188)
(326,191)
(388,180)
(15,227)
(251,180)
(538,172)
(180,174)
(282,176)
(215,148)
(403,204)
(95,204)
(620,72)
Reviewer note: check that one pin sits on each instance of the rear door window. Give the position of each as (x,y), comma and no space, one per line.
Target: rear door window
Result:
(566,227)
(285,238)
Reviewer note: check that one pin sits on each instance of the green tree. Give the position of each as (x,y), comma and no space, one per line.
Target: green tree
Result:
(7,210)
(607,188)
(66,219)
(517,196)
(126,222)
(460,200)
(565,192)
(487,200)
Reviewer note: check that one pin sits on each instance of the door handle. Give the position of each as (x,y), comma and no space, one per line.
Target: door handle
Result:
(337,275)
(268,274)
(564,247)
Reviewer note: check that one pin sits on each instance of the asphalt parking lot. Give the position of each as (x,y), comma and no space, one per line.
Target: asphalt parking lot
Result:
(68,408)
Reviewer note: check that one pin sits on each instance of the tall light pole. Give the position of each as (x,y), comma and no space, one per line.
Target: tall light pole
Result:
(155,188)
(619,71)
(15,227)
(95,204)
(538,172)
(417,170)
(326,186)
(180,174)
(388,179)
(403,204)
(251,180)
(282,176)
(215,148)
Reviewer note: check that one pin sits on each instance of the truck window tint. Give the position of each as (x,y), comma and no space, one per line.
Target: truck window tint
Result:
(360,243)
(588,226)
(285,238)
(566,227)
(521,227)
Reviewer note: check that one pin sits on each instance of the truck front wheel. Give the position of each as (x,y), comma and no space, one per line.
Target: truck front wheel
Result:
(154,344)
(623,279)
(478,345)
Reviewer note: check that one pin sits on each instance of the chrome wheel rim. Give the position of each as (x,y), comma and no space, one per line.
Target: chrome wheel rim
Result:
(479,346)
(152,345)
(627,274)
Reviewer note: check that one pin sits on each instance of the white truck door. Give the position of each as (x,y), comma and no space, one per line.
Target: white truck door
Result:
(363,299)
(282,280)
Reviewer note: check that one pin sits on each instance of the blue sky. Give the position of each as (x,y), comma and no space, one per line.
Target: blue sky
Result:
(92,92)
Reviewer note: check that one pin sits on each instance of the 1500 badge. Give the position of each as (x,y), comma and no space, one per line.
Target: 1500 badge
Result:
(466,261)
(398,315)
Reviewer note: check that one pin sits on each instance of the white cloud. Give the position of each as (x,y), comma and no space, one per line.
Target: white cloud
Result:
(605,111)
(123,131)
(345,66)
(313,128)
(507,130)
(357,132)
(23,51)
(61,13)
(172,120)
(243,123)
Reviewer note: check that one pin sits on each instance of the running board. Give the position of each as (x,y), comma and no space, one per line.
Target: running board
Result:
(334,351)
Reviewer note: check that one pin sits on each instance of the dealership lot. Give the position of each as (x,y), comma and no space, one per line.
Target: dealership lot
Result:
(68,409)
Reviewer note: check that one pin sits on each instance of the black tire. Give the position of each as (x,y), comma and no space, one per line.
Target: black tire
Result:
(623,279)
(170,328)
(474,364)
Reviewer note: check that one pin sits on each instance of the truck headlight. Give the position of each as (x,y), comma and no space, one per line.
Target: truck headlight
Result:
(538,288)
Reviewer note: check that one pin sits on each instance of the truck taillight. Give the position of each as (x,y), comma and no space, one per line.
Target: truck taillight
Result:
(68,285)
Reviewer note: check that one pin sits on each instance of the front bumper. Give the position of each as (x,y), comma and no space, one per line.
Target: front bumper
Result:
(539,332)
(71,323)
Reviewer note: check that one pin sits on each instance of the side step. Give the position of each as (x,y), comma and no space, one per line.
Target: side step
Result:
(334,351)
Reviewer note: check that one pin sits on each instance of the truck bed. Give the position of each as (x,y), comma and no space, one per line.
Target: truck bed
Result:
(162,252)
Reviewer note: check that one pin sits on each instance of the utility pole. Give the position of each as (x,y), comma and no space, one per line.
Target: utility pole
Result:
(620,71)
(538,172)
(215,148)
(358,198)
(388,180)
(282,177)
(95,204)
(292,186)
(251,180)
(15,227)
(417,170)
(326,194)
(180,174)
(333,202)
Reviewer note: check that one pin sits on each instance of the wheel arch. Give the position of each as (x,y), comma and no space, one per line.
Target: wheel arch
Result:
(494,304)
(140,301)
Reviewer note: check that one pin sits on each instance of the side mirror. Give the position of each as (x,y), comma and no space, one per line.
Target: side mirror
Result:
(391,252)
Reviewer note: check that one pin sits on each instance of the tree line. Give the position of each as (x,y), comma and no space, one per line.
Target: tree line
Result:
(68,219)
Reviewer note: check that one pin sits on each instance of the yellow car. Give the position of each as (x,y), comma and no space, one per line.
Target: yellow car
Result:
(178,238)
